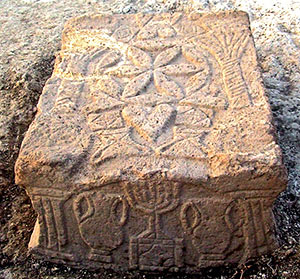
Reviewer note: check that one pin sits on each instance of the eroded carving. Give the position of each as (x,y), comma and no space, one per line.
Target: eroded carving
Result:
(152,102)
(257,227)
(211,230)
(51,222)
(154,249)
(100,220)
(162,115)
(227,45)
(149,123)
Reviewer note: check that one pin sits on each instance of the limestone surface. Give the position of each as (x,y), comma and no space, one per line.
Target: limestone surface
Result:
(153,146)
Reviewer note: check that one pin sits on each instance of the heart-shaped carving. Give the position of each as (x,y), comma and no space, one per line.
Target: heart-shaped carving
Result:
(148,121)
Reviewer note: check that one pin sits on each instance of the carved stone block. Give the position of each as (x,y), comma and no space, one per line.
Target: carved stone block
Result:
(153,146)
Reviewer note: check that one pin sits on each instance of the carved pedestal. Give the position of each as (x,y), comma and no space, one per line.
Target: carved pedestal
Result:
(153,146)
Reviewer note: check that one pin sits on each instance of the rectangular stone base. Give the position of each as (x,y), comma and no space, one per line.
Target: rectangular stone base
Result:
(191,225)
(153,146)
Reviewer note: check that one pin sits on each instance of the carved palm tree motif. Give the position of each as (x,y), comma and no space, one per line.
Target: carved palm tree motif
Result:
(228,46)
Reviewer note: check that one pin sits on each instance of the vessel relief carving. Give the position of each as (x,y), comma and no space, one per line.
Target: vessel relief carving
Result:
(100,220)
(210,224)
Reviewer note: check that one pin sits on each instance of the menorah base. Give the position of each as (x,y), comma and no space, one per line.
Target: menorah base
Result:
(155,254)
(99,256)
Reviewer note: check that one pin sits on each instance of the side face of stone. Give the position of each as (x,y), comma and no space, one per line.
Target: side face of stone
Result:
(153,146)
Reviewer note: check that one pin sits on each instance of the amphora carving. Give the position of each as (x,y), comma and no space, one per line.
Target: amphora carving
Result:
(210,223)
(100,219)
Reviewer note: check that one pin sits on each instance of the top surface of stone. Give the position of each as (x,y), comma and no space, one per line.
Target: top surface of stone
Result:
(133,95)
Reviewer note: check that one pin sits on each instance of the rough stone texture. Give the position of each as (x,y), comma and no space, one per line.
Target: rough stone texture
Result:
(153,147)
(30,35)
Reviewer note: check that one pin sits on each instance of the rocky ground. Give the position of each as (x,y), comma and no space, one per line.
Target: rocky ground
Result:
(29,39)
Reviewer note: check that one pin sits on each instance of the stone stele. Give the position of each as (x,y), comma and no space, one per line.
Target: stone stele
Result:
(153,147)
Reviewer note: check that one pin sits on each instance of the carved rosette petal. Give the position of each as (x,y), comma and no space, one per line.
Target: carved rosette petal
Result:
(115,145)
(102,102)
(155,44)
(139,57)
(149,122)
(166,56)
(179,69)
(194,55)
(192,117)
(126,70)
(148,32)
(191,148)
(110,59)
(156,29)
(166,86)
(110,86)
(108,120)
(137,85)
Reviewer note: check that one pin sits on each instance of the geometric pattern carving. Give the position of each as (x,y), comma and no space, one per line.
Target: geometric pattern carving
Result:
(153,147)
(142,95)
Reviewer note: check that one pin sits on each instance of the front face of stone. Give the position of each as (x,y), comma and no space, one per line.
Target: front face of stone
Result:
(153,148)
